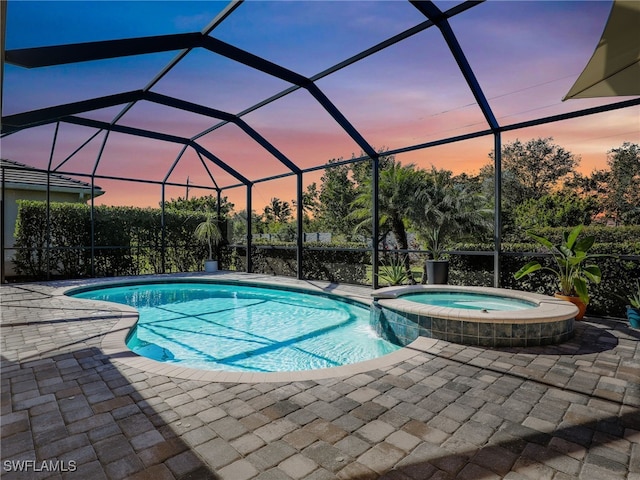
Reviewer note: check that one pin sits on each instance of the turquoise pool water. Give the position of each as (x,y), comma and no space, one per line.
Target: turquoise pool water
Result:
(470,301)
(245,328)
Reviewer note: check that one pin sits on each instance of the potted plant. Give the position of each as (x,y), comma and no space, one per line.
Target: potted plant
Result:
(444,212)
(572,270)
(437,267)
(207,232)
(633,309)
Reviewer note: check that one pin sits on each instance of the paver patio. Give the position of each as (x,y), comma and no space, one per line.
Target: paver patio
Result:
(446,411)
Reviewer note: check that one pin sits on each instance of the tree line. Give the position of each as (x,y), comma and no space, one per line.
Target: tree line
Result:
(541,187)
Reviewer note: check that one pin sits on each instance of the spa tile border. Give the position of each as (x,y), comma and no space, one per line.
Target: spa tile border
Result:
(402,321)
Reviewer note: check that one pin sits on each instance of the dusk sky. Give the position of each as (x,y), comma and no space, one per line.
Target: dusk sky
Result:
(525,55)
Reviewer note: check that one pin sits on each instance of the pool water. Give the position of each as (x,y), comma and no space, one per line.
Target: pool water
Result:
(245,328)
(469,301)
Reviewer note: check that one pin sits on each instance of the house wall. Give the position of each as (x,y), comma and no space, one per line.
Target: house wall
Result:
(10,211)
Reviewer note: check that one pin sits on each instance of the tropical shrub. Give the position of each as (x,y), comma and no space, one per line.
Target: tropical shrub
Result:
(392,269)
(618,271)
(442,211)
(572,263)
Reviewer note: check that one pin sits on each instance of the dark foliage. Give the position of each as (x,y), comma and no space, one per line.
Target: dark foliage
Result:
(127,241)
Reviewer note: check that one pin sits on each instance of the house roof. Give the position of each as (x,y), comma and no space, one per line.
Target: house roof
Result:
(20,176)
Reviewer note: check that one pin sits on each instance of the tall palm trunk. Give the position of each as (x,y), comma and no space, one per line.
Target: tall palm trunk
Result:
(400,233)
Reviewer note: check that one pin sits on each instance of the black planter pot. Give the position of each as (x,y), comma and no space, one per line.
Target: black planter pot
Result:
(437,272)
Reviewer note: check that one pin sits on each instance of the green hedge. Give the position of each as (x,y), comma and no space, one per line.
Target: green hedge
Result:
(618,276)
(128,241)
(603,234)
(280,258)
(70,231)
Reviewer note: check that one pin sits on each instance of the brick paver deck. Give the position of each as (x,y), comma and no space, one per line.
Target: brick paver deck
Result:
(448,411)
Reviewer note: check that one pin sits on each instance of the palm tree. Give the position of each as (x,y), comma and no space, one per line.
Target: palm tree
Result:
(442,210)
(208,232)
(396,183)
(277,211)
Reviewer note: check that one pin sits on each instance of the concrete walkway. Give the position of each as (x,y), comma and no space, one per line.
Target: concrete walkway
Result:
(446,411)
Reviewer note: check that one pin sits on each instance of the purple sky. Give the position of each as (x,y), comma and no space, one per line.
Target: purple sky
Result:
(525,55)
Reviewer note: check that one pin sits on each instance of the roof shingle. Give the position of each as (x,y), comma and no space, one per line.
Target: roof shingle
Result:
(19,174)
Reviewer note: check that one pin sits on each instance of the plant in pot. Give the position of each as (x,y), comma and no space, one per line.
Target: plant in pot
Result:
(436,267)
(573,270)
(208,232)
(444,211)
(633,309)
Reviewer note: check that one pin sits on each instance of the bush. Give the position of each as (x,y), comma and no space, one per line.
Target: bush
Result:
(279,258)
(603,234)
(127,240)
(617,276)
(70,233)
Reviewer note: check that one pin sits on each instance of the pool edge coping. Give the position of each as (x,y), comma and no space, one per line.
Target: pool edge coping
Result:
(549,309)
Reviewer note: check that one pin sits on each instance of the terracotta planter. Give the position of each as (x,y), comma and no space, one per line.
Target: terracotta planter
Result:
(582,308)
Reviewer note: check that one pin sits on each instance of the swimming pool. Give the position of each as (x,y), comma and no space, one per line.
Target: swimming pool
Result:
(469,301)
(483,316)
(244,328)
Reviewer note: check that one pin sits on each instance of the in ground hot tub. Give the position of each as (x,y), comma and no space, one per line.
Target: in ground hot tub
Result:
(483,316)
